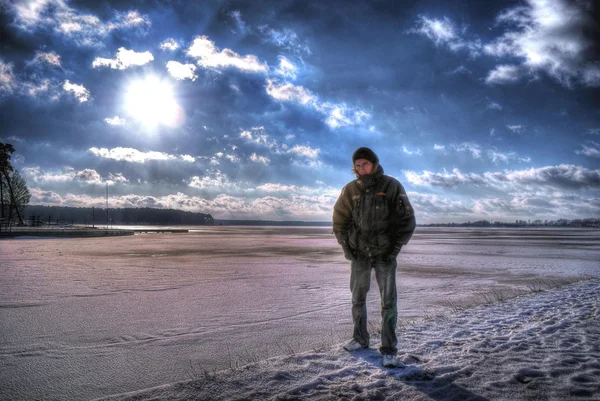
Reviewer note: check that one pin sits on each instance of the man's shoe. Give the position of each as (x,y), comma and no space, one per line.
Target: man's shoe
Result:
(354,346)
(391,361)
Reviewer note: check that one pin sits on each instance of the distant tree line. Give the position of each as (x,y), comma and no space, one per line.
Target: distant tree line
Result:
(222,222)
(591,222)
(41,215)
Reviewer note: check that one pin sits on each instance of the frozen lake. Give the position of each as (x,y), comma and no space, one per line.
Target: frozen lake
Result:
(85,318)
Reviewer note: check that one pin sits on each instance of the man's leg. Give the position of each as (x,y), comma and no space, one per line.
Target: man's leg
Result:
(385,272)
(360,279)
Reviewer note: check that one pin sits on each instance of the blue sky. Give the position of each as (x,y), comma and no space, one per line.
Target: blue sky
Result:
(483,110)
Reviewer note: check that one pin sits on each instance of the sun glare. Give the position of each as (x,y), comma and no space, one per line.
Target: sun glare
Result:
(151,102)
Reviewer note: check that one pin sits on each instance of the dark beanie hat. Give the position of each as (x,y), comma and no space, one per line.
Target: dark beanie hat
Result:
(365,153)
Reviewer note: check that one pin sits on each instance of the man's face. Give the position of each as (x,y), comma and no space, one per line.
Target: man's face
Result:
(363,166)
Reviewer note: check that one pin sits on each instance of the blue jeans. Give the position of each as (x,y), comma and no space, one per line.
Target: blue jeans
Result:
(360,281)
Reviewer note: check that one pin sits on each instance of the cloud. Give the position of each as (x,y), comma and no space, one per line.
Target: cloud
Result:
(288,92)
(593,131)
(69,174)
(337,115)
(50,58)
(79,91)
(496,157)
(555,37)
(83,28)
(88,176)
(516,129)
(503,74)
(493,106)
(306,151)
(181,71)
(444,33)
(169,44)
(411,152)
(116,120)
(124,59)
(470,147)
(444,180)
(285,38)
(215,179)
(439,147)
(239,22)
(209,56)
(286,68)
(590,151)
(136,156)
(564,176)
(7,77)
(43,197)
(260,159)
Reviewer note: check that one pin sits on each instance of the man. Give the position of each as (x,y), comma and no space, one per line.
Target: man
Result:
(372,220)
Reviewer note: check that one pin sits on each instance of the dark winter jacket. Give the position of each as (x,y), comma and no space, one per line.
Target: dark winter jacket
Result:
(373,216)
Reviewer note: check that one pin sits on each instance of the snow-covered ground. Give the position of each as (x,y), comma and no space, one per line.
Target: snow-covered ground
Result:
(87,318)
(540,347)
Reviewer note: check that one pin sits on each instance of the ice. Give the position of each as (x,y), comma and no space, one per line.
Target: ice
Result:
(261,313)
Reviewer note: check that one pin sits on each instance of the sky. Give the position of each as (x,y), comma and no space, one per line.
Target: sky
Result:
(252,110)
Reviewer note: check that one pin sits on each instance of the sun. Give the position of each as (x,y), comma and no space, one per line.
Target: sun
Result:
(151,102)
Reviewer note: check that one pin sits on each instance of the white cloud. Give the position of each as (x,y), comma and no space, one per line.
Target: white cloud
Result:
(136,156)
(337,115)
(444,33)
(287,39)
(117,178)
(439,147)
(444,180)
(209,56)
(306,151)
(181,71)
(215,179)
(84,29)
(260,159)
(79,91)
(69,174)
(287,92)
(239,22)
(50,58)
(7,77)
(286,68)
(503,74)
(188,158)
(494,106)
(124,59)
(470,147)
(116,120)
(562,177)
(516,129)
(412,152)
(169,44)
(550,36)
(590,151)
(496,156)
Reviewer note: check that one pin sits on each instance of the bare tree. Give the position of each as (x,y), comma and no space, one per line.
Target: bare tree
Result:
(6,168)
(19,195)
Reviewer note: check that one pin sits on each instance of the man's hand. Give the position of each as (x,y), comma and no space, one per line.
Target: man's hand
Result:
(393,254)
(349,254)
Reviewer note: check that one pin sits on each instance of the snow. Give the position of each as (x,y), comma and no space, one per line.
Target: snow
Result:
(543,347)
(255,312)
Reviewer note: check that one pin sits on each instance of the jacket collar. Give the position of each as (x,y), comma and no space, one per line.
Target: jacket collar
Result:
(369,180)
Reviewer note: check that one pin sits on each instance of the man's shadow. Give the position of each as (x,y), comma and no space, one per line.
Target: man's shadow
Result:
(438,389)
